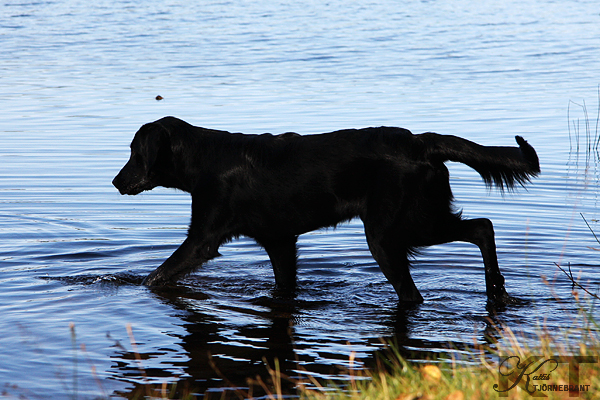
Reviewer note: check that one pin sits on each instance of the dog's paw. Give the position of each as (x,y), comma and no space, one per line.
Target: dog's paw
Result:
(155,279)
(503,299)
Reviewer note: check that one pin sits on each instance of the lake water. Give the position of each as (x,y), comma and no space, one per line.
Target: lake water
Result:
(77,79)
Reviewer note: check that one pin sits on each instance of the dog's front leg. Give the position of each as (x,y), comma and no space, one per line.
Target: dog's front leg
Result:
(208,230)
(192,253)
(282,252)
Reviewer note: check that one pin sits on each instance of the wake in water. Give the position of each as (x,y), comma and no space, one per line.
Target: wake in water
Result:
(123,278)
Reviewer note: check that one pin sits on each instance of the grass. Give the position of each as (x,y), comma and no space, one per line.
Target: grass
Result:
(544,370)
(514,367)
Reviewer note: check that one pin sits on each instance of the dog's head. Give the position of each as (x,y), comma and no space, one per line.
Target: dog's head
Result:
(150,160)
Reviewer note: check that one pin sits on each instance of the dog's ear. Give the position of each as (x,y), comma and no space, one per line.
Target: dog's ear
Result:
(153,139)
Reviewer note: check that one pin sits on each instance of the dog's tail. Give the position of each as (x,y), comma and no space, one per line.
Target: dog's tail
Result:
(500,166)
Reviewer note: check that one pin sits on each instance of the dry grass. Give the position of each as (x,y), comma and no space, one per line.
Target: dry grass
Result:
(518,370)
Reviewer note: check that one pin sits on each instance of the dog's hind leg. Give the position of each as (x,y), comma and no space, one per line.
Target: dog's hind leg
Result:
(282,252)
(392,257)
(481,233)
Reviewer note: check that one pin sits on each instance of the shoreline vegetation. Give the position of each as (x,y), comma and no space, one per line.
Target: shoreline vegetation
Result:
(552,365)
(517,369)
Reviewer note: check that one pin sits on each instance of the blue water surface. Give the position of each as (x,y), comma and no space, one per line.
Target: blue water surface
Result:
(77,79)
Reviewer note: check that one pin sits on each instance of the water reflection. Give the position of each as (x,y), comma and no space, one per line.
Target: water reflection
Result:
(221,360)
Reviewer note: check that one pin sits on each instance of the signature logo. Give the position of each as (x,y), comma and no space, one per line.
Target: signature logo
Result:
(533,371)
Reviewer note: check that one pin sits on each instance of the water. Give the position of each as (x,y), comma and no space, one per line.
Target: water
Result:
(78,79)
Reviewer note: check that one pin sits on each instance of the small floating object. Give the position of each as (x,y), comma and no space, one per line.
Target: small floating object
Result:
(159,98)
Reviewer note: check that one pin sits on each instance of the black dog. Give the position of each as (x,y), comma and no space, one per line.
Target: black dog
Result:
(274,188)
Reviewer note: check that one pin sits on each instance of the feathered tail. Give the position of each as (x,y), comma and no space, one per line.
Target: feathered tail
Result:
(498,165)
